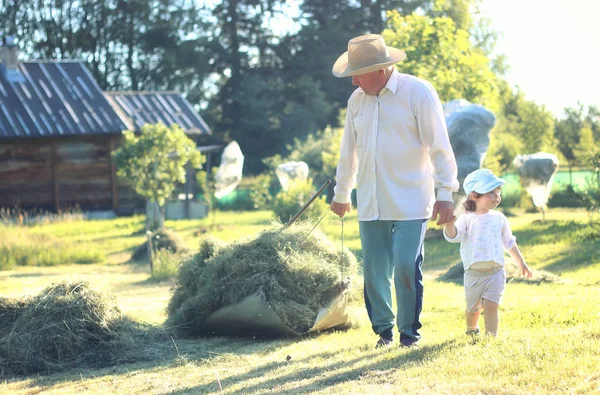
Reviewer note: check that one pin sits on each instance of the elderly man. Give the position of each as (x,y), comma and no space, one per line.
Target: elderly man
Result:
(397,153)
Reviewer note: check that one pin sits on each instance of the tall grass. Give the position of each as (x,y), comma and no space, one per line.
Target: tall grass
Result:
(165,265)
(18,217)
(19,247)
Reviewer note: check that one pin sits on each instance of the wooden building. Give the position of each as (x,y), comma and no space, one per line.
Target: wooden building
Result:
(58,129)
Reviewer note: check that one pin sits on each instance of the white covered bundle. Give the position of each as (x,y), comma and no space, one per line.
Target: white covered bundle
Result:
(291,172)
(537,174)
(229,174)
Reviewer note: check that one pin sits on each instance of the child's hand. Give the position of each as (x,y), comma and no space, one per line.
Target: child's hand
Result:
(525,271)
(449,227)
(450,223)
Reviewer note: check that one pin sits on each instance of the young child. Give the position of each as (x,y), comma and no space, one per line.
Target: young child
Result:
(484,234)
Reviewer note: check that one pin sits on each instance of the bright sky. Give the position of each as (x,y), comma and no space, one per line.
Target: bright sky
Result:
(553,49)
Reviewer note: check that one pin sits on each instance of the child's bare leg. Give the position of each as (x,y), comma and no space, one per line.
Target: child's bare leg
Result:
(472,319)
(491,317)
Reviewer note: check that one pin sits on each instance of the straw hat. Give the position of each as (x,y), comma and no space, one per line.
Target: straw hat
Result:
(365,54)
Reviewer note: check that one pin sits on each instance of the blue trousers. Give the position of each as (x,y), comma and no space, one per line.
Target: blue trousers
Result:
(393,249)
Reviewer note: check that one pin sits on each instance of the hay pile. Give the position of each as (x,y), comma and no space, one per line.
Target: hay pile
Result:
(162,239)
(66,325)
(298,272)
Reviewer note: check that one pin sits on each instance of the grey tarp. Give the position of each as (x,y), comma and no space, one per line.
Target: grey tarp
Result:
(253,316)
(469,128)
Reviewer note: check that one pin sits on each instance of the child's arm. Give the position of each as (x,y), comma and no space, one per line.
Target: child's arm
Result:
(516,255)
(450,229)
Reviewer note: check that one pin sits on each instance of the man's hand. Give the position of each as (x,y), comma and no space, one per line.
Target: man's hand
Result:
(445,211)
(340,208)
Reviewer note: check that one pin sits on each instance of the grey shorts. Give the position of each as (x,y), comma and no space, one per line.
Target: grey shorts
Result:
(481,285)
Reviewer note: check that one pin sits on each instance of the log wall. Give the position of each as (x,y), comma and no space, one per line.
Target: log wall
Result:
(62,173)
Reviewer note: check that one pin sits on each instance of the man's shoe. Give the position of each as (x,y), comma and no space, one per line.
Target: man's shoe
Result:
(409,342)
(383,342)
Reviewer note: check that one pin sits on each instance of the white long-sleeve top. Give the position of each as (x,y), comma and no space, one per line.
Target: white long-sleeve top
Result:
(396,150)
(483,237)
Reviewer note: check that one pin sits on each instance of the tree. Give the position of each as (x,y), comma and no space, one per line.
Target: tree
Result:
(577,124)
(154,162)
(127,45)
(441,53)
(522,127)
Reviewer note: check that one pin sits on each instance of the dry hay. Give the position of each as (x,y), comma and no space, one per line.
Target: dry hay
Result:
(67,325)
(455,274)
(298,272)
(162,239)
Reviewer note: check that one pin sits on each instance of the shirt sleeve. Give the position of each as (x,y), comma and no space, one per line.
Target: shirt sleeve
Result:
(461,231)
(508,239)
(348,164)
(434,134)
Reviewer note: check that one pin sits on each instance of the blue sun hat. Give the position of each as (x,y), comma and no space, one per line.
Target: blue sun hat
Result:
(482,181)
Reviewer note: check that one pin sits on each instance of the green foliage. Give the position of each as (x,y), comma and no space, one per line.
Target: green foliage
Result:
(567,197)
(161,240)
(590,198)
(287,203)
(523,127)
(260,194)
(438,51)
(202,185)
(503,148)
(165,265)
(578,123)
(588,153)
(205,186)
(320,151)
(143,45)
(457,10)
(154,162)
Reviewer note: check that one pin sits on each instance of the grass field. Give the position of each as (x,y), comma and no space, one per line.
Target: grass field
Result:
(549,338)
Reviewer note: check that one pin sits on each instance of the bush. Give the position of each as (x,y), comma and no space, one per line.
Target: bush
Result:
(162,239)
(567,197)
(287,203)
(165,265)
(518,199)
(261,194)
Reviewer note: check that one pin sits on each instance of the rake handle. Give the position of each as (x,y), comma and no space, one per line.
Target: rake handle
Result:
(303,209)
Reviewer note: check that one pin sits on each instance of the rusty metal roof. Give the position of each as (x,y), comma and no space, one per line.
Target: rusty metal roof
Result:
(54,99)
(138,108)
(61,98)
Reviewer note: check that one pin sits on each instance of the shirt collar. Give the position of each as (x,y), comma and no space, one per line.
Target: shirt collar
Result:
(392,83)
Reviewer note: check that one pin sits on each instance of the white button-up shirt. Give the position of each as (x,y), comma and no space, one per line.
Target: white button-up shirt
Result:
(396,150)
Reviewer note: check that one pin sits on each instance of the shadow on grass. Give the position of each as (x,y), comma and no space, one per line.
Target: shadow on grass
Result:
(164,354)
(404,357)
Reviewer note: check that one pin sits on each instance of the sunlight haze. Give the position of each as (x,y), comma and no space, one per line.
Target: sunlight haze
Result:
(552,49)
